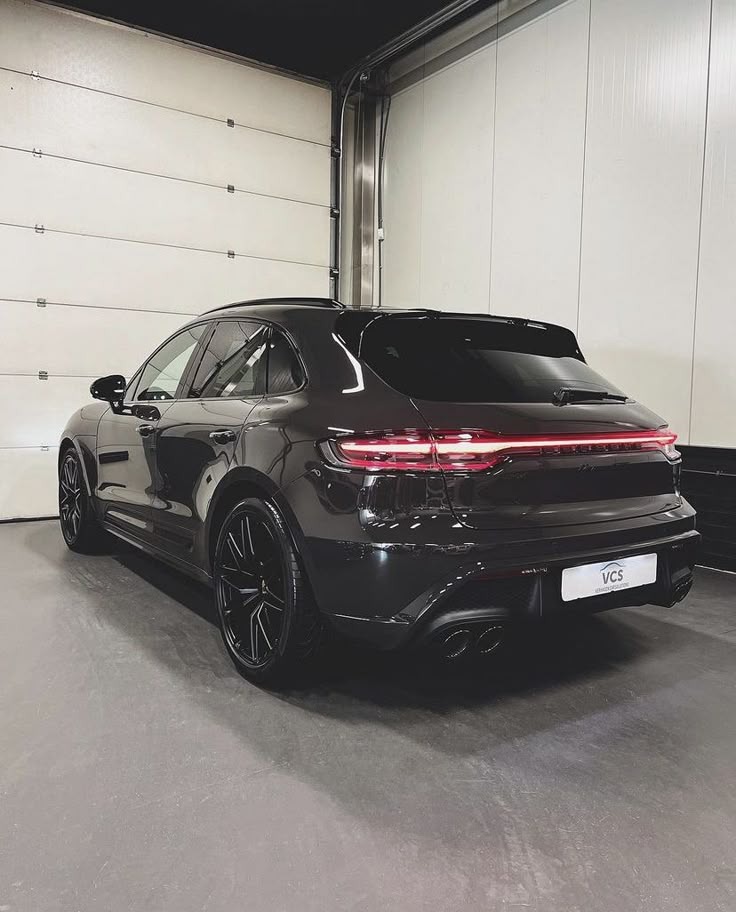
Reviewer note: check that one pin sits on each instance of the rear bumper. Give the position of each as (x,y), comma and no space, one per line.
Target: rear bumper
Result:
(416,592)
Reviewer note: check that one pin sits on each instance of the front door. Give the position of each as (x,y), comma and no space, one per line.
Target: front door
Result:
(126,464)
(198,437)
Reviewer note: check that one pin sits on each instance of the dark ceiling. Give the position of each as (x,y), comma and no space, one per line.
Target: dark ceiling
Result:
(319,38)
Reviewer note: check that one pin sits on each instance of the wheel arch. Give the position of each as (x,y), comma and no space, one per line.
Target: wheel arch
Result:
(86,459)
(238,484)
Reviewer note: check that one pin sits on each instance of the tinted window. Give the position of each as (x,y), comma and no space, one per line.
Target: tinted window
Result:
(161,376)
(284,370)
(234,362)
(454,359)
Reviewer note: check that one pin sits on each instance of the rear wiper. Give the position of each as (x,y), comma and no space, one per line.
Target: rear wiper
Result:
(567,394)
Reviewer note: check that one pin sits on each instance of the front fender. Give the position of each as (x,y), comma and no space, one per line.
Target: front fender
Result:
(81,433)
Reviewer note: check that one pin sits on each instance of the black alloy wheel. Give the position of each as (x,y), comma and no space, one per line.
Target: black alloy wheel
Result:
(78,524)
(70,496)
(267,616)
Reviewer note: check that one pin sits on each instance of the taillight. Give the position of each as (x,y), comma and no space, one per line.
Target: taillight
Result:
(475,451)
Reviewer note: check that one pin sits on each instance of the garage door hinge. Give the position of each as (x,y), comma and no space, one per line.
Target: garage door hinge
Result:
(35,74)
(40,302)
(334,273)
(335,150)
(43,375)
(231,188)
(37,153)
(231,254)
(44,449)
(39,229)
(334,212)
(230,122)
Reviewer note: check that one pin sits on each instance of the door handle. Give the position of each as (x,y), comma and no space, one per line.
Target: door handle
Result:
(223,436)
(145,430)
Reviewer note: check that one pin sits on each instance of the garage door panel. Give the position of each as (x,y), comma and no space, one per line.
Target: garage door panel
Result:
(106,57)
(92,271)
(34,412)
(79,340)
(102,201)
(93,126)
(28,482)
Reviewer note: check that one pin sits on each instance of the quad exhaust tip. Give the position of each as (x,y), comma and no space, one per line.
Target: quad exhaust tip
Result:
(462,641)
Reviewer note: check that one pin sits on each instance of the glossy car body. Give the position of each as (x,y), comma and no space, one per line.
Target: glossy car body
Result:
(393,557)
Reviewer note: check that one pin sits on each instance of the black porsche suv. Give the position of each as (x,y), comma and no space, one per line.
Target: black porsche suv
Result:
(404,477)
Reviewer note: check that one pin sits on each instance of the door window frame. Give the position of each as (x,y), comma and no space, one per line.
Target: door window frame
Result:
(272,329)
(132,388)
(200,353)
(210,324)
(297,354)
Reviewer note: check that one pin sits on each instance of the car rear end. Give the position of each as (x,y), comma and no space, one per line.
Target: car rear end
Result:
(520,485)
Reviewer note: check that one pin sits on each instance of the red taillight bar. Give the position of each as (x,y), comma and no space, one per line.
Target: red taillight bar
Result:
(479,450)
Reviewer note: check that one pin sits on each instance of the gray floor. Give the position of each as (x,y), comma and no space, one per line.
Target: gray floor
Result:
(593,768)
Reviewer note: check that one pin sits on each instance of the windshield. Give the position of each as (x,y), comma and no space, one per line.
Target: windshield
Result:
(461,359)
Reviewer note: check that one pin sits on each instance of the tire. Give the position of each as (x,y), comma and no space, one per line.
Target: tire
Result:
(268,619)
(82,533)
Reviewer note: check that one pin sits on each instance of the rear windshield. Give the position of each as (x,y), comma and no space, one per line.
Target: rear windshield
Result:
(460,359)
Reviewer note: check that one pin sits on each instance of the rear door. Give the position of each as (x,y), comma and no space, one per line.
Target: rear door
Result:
(529,382)
(197,438)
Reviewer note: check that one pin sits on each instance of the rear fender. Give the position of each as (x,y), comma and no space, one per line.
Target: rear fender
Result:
(252,483)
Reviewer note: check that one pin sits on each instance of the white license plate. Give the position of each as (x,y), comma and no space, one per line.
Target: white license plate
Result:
(608,576)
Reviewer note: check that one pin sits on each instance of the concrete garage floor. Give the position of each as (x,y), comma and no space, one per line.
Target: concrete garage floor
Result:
(593,768)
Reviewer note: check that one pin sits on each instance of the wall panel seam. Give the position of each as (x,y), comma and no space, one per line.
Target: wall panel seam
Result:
(49,376)
(171,177)
(700,227)
(107,237)
(35,302)
(493,167)
(582,175)
(156,104)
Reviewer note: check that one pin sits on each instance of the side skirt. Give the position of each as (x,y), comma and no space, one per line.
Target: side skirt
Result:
(175,562)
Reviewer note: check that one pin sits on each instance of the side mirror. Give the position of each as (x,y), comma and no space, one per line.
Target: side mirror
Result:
(109,389)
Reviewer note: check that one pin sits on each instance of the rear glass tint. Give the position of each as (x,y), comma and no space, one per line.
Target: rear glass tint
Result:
(459,359)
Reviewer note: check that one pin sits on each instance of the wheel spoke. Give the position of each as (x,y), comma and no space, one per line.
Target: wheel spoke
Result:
(234,549)
(243,592)
(253,638)
(263,629)
(250,537)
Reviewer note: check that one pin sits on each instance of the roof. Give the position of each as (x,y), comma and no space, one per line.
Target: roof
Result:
(283,303)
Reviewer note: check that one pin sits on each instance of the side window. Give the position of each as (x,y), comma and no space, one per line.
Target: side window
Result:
(234,363)
(285,372)
(162,374)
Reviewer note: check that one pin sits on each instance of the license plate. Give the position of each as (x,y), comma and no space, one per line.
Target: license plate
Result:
(608,576)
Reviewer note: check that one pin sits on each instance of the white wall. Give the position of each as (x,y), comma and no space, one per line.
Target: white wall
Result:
(714,368)
(130,187)
(602,136)
(439,182)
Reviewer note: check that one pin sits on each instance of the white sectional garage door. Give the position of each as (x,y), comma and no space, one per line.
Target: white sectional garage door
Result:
(141,181)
